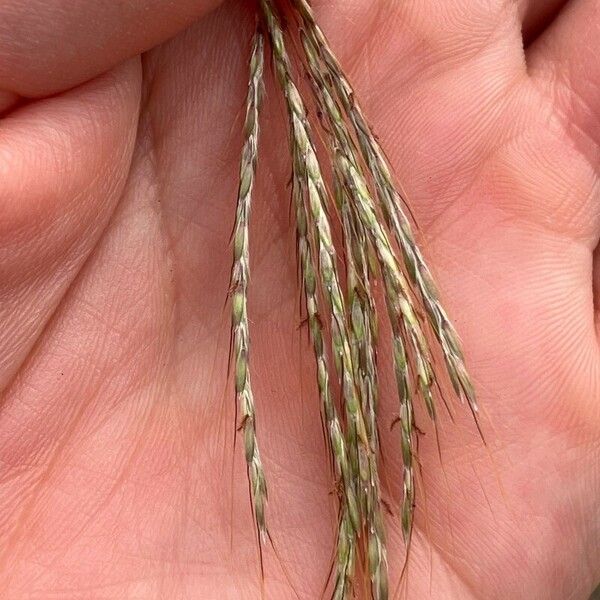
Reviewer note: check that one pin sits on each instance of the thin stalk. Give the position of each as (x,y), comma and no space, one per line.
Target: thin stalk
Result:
(240,278)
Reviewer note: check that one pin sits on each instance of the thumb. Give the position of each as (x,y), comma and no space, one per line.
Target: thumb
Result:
(48,46)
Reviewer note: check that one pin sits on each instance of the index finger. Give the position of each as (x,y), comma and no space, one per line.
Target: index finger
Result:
(48,46)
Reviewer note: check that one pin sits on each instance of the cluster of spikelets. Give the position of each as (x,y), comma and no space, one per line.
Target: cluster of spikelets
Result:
(378,245)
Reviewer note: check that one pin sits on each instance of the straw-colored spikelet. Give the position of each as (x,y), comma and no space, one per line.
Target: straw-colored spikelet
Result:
(350,520)
(391,202)
(378,247)
(351,179)
(399,296)
(239,284)
(362,318)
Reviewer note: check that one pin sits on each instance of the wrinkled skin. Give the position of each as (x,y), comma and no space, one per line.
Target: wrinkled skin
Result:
(118,158)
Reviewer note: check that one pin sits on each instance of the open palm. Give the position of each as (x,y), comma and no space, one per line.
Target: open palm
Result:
(118,472)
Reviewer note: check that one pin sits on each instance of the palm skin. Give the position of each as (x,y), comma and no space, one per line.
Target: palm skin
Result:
(119,476)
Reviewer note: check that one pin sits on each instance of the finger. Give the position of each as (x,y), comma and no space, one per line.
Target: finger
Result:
(49,46)
(63,163)
(564,60)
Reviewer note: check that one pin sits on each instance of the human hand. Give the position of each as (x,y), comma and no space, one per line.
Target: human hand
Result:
(119,475)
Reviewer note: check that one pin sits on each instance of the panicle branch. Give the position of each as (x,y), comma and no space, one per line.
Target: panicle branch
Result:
(378,246)
(240,278)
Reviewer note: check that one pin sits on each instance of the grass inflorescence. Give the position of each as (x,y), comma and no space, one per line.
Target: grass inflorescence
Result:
(378,249)
(240,278)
